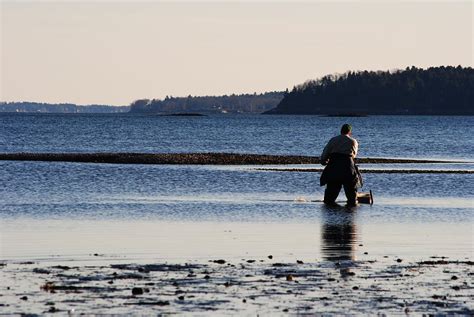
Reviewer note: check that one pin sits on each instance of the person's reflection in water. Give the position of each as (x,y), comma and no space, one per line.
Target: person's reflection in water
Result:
(339,234)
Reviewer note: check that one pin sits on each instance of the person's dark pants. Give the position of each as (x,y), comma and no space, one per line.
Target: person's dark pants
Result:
(333,189)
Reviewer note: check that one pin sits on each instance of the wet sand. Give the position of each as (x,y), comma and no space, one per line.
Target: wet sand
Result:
(190,158)
(349,274)
(263,285)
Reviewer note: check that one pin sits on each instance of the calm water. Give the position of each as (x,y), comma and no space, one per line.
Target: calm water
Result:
(73,209)
(379,136)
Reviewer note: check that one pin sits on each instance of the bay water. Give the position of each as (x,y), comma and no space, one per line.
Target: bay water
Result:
(54,211)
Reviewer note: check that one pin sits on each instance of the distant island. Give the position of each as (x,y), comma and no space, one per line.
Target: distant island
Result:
(39,107)
(413,91)
(444,90)
(244,103)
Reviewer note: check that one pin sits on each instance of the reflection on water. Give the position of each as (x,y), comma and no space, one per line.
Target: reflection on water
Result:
(338,234)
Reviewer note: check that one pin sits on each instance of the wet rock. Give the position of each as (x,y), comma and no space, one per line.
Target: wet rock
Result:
(456,288)
(41,271)
(61,267)
(48,287)
(137,291)
(346,272)
(207,277)
(181,297)
(128,276)
(52,309)
(150,303)
(289,278)
(442,262)
(50,304)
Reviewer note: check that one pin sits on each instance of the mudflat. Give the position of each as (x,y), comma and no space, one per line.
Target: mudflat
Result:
(192,158)
(247,286)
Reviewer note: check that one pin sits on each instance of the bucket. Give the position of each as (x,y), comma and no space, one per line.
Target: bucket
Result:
(365,198)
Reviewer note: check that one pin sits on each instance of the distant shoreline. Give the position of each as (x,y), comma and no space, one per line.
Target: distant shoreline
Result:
(192,158)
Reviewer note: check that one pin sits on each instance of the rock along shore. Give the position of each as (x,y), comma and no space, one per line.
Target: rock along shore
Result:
(189,158)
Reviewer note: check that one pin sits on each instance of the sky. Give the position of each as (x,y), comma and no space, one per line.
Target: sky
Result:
(114,52)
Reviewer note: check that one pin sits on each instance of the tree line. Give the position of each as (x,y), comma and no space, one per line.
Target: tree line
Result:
(444,90)
(244,103)
(25,106)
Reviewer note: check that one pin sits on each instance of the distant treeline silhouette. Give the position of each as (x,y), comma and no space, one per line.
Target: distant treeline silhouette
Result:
(245,103)
(415,91)
(26,106)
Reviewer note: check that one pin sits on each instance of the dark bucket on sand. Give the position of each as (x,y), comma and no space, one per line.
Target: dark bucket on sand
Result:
(365,198)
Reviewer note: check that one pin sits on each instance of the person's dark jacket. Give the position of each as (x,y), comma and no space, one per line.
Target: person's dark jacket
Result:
(340,169)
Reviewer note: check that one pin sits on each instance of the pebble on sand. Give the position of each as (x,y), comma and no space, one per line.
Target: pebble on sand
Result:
(137,291)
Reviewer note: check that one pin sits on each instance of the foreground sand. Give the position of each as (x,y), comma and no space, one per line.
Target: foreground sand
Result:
(247,286)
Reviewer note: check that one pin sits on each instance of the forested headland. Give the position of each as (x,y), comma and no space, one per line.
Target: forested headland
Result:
(244,103)
(441,90)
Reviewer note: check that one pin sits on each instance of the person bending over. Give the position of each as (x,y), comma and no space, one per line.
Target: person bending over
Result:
(340,171)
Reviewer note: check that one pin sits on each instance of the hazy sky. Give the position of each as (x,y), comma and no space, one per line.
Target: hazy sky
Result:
(113,52)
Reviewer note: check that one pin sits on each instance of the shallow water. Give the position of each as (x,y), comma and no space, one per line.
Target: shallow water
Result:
(184,212)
